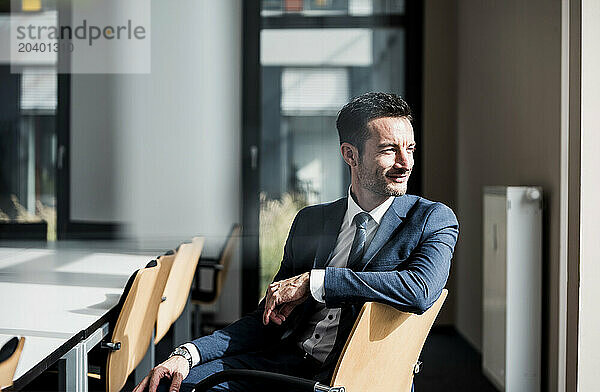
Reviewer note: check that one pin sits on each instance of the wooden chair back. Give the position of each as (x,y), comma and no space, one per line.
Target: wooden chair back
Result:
(219,266)
(383,348)
(225,259)
(178,285)
(167,261)
(134,326)
(8,366)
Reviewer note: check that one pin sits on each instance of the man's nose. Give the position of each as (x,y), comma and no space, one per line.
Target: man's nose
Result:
(403,159)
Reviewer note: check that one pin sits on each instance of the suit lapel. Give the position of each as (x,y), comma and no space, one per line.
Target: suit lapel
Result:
(389,224)
(333,215)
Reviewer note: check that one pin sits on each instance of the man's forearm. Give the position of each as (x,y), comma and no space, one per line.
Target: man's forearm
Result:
(414,284)
(400,289)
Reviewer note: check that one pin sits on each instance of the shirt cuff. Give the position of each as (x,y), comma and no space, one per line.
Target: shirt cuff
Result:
(193,352)
(317,284)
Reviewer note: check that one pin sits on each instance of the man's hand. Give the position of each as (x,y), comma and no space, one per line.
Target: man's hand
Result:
(176,368)
(283,296)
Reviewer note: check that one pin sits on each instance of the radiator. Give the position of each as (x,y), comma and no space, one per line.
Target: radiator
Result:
(512,287)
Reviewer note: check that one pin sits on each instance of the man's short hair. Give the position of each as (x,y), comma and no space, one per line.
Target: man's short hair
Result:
(352,120)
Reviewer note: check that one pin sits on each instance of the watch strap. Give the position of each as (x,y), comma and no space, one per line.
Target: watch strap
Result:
(183,352)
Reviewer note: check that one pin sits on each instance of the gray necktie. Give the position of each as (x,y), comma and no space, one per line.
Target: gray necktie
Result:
(360,237)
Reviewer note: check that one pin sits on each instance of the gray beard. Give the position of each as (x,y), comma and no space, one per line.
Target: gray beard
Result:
(377,185)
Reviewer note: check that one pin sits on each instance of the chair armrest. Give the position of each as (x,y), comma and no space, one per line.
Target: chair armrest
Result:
(286,381)
(210,262)
(210,265)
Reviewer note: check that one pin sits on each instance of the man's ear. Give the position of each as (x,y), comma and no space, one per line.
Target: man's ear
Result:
(350,154)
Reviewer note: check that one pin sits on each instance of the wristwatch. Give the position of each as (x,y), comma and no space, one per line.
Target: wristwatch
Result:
(183,352)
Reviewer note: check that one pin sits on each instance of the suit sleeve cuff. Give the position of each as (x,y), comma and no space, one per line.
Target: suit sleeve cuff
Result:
(317,284)
(193,352)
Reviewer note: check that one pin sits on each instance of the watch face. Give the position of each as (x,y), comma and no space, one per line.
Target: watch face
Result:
(182,351)
(186,354)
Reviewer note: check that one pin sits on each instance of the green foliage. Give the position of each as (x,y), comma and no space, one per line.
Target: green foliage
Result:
(276,217)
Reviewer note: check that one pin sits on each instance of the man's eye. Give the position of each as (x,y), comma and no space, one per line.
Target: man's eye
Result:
(388,150)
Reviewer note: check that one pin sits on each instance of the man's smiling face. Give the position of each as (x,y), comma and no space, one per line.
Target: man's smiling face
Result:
(386,160)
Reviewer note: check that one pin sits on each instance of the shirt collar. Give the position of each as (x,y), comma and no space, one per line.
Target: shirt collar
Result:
(376,213)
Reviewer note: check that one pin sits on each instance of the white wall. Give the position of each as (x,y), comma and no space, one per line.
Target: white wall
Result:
(93,151)
(589,319)
(502,129)
(161,152)
(508,134)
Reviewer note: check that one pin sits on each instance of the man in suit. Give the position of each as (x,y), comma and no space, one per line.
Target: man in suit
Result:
(377,244)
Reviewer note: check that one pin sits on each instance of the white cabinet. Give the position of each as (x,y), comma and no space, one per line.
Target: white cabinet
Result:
(512,287)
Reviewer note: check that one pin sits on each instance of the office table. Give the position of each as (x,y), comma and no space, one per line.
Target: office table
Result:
(60,300)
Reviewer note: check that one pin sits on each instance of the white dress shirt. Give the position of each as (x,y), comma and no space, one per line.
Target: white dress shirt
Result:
(319,336)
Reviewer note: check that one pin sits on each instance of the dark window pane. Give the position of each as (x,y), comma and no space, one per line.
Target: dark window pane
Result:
(28,146)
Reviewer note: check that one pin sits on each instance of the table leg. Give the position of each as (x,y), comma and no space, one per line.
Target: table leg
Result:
(86,345)
(70,370)
(73,366)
